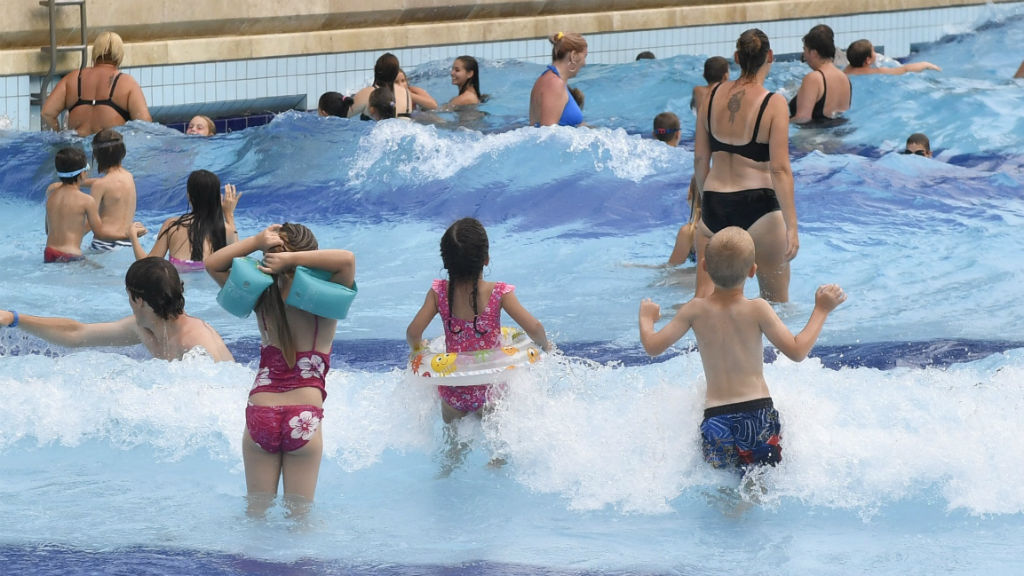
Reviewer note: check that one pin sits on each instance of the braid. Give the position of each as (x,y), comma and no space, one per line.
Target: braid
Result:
(464,249)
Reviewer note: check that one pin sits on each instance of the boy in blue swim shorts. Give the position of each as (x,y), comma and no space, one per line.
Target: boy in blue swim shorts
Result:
(741,426)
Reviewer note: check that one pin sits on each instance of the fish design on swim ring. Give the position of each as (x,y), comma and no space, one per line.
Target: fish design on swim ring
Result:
(444,364)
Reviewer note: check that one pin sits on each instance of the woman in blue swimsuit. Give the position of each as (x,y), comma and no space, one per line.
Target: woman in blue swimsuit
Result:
(550,101)
(741,168)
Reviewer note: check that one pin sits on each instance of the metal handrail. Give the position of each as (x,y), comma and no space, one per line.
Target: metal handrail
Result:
(53,49)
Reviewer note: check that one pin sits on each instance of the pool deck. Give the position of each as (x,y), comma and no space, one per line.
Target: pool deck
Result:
(160,32)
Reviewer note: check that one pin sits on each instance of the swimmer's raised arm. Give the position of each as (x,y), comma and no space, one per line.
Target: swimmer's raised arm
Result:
(218,264)
(341,263)
(798,347)
(656,342)
(72,333)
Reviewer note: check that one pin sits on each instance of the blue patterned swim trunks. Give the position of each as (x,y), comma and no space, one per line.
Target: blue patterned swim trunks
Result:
(741,434)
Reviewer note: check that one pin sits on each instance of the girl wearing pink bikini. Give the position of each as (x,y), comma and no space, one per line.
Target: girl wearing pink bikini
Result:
(283,440)
(470,309)
(206,228)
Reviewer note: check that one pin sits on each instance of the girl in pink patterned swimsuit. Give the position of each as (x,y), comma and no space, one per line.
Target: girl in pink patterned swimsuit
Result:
(283,439)
(470,309)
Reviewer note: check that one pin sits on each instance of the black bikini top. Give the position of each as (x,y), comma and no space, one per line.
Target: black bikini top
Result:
(108,102)
(818,112)
(754,150)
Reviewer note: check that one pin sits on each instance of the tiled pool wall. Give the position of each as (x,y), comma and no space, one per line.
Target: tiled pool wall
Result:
(232,90)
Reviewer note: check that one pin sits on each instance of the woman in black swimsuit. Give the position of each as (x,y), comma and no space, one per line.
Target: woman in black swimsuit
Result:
(99,97)
(825,92)
(385,72)
(741,168)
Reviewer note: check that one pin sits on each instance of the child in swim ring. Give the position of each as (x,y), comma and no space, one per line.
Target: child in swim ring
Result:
(283,440)
(470,309)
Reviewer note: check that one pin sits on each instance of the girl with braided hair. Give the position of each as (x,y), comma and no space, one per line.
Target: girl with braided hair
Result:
(470,309)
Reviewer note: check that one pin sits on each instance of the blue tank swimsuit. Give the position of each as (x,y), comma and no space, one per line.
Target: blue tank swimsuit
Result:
(571,114)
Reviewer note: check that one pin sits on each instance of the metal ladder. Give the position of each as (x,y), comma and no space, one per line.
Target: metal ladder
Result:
(54,50)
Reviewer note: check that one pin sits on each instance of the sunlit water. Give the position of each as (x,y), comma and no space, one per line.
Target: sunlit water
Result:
(902,434)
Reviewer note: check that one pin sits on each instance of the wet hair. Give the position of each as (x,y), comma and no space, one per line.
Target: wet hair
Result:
(858,53)
(107,149)
(108,48)
(565,42)
(921,140)
(382,99)
(205,220)
(211,127)
(822,40)
(70,159)
(666,126)
(645,55)
(464,253)
(471,65)
(386,70)
(335,104)
(716,69)
(578,96)
(296,238)
(156,282)
(752,49)
(729,256)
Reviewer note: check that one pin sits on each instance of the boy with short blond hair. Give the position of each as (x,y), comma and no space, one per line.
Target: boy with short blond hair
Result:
(741,426)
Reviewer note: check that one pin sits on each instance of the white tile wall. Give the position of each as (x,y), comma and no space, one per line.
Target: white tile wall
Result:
(348,72)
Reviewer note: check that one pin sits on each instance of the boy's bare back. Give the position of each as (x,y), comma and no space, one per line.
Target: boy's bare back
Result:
(69,212)
(729,326)
(116,200)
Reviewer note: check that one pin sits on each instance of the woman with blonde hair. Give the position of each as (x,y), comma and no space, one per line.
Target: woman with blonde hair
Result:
(97,97)
(551,101)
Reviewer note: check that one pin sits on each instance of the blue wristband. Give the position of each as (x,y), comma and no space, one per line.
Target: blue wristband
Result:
(15,323)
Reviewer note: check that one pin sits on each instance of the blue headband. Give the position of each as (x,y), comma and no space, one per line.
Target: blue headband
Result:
(73,173)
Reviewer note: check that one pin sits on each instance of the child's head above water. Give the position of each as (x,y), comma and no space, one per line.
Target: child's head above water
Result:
(730,257)
(70,163)
(464,249)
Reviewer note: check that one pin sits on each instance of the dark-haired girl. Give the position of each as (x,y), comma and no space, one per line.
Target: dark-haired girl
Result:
(465,74)
(470,309)
(206,228)
(283,439)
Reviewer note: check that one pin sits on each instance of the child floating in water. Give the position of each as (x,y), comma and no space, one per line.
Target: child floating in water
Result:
(470,309)
(741,426)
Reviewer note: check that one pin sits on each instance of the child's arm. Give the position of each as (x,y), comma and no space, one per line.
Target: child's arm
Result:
(414,333)
(228,202)
(532,326)
(159,248)
(341,263)
(422,98)
(657,342)
(218,264)
(798,347)
(72,333)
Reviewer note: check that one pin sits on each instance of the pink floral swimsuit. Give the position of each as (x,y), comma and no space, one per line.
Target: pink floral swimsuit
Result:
(287,428)
(461,336)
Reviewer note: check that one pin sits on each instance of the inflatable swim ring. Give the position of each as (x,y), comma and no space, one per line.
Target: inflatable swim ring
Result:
(313,291)
(432,365)
(245,284)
